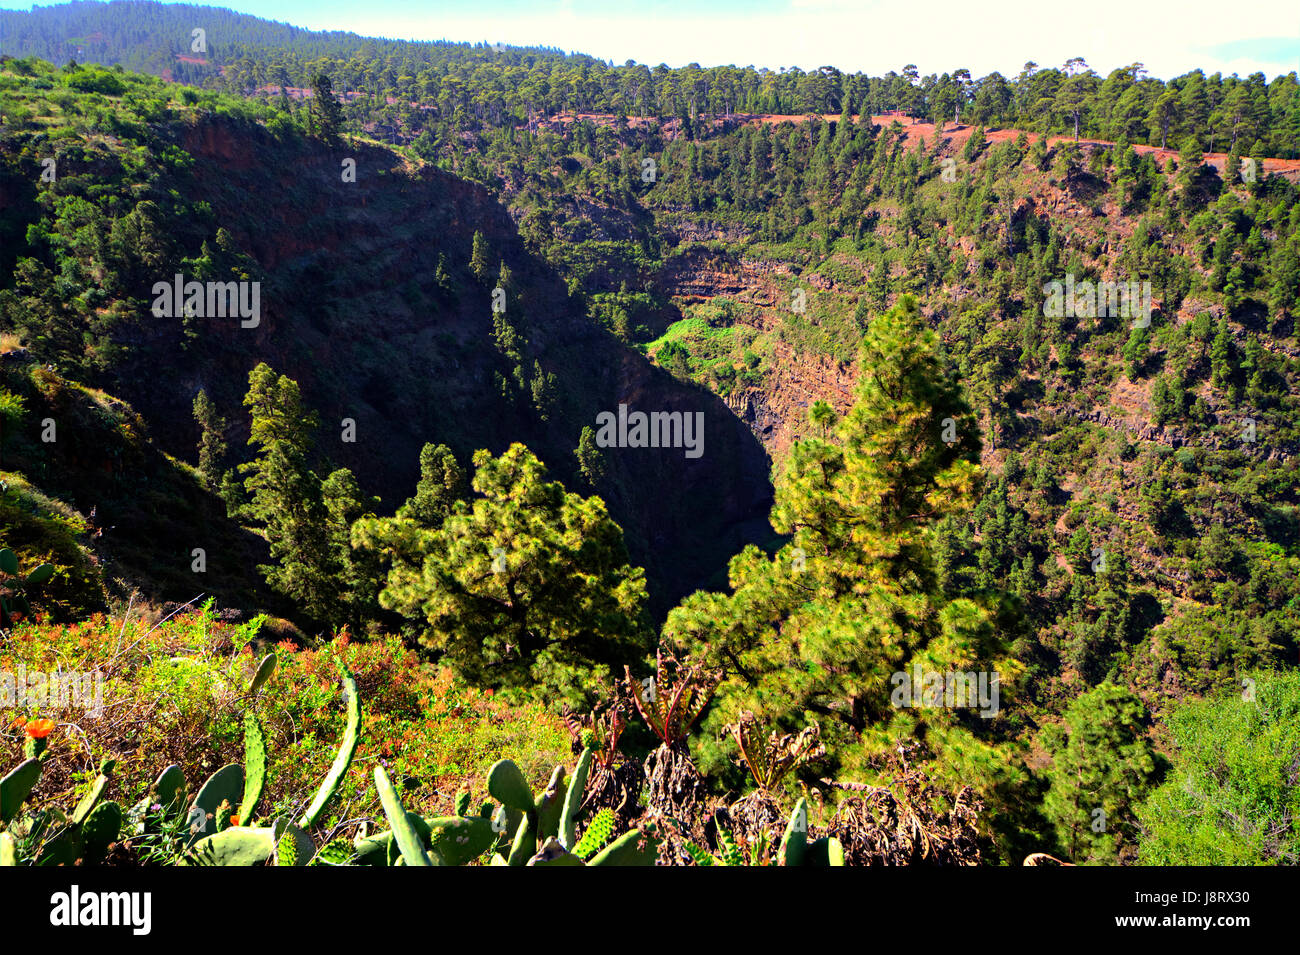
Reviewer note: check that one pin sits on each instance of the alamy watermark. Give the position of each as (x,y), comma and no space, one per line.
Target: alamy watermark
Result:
(974,690)
(56,689)
(194,299)
(130,909)
(1070,299)
(658,429)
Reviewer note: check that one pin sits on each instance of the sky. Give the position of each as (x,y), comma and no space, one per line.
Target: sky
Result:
(1168,36)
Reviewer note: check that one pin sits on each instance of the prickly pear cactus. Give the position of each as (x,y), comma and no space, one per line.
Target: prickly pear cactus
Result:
(254,769)
(264,671)
(507,785)
(292,845)
(15,787)
(404,833)
(168,793)
(235,847)
(91,799)
(550,805)
(598,832)
(286,850)
(99,831)
(227,784)
(459,840)
(573,800)
(339,769)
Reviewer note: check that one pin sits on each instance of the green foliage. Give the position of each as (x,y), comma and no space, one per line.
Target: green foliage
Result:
(441,484)
(591,458)
(1231,797)
(96,81)
(480,262)
(888,576)
(358,572)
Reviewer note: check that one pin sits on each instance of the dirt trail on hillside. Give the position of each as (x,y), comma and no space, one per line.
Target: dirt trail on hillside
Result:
(957,135)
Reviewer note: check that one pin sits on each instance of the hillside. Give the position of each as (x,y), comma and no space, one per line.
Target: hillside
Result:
(355,306)
(999,383)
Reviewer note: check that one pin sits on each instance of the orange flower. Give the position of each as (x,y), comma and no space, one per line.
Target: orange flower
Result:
(234,820)
(39,729)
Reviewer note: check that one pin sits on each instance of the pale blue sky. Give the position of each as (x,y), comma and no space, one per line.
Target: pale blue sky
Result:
(1169,36)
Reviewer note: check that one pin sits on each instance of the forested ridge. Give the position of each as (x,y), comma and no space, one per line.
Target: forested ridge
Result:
(1084,500)
(508,86)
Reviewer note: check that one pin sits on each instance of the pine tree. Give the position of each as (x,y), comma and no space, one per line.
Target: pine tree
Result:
(440,274)
(1068,160)
(1221,355)
(480,258)
(212,442)
(527,588)
(326,108)
(823,629)
(285,495)
(543,390)
(1102,766)
(1165,115)
(861,315)
(441,484)
(591,458)
(359,570)
(1038,152)
(1190,159)
(1136,351)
